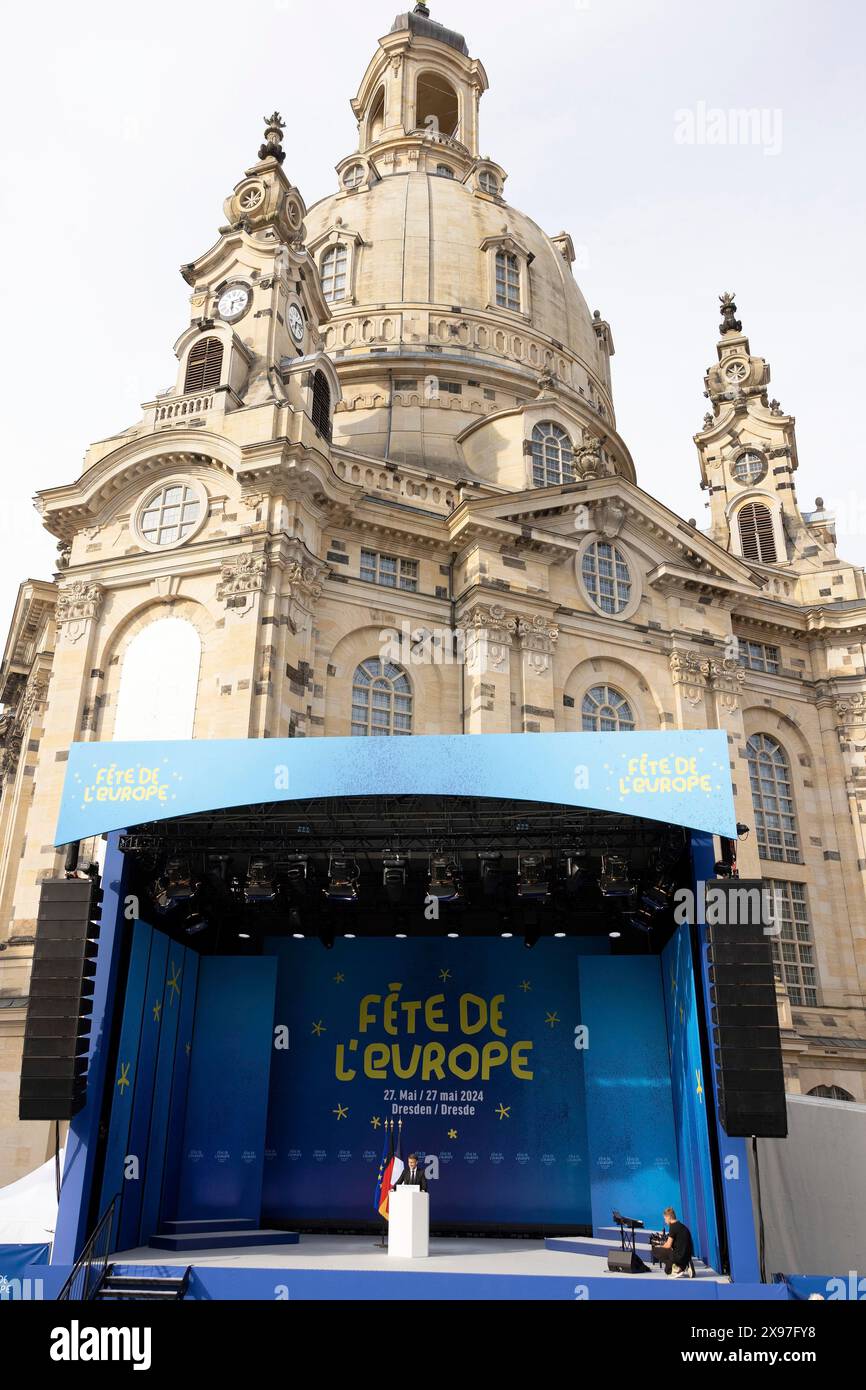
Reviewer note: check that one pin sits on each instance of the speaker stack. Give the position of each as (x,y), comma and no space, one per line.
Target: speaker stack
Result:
(57,1031)
(745,1020)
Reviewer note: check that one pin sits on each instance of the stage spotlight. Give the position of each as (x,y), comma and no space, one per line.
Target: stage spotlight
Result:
(445,880)
(175,885)
(615,878)
(559,935)
(454,936)
(507,935)
(195,923)
(614,935)
(490,861)
(259,885)
(395,868)
(579,874)
(243,936)
(742,831)
(343,878)
(297,936)
(643,920)
(296,872)
(533,878)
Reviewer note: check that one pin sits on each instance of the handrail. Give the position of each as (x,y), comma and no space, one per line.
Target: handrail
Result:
(88,1271)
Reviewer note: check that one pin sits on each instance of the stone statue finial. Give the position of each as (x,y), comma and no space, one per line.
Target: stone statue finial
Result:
(273,147)
(729,324)
(422,10)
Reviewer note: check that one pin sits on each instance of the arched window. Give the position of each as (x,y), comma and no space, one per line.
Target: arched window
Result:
(322,404)
(756,533)
(606,576)
(552,456)
(381,699)
(507,281)
(204,365)
(437,110)
(376,119)
(159,683)
(335,264)
(773,799)
(830,1093)
(606,711)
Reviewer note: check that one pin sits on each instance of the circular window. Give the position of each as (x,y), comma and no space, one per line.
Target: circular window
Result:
(173,513)
(354,176)
(488,183)
(749,467)
(606,577)
(737,371)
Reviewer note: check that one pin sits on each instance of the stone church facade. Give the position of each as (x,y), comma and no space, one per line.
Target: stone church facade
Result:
(386,494)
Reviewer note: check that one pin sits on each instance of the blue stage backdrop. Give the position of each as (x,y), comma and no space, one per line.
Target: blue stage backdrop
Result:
(477,1046)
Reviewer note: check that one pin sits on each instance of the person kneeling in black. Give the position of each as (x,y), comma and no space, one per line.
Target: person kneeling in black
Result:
(677,1252)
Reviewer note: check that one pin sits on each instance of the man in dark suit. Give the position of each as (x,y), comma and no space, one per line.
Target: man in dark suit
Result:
(411,1175)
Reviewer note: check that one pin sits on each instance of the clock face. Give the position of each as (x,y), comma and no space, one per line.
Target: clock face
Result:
(233,302)
(296,323)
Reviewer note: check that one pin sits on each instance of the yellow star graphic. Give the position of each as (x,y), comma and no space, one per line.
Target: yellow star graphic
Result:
(376,1122)
(123,1079)
(699,1088)
(174,983)
(552,1019)
(503,1111)
(525,986)
(444,975)
(318,1028)
(339,977)
(452,1134)
(157,1009)
(341,1112)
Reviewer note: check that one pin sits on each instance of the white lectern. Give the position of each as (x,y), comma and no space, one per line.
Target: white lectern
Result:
(409,1223)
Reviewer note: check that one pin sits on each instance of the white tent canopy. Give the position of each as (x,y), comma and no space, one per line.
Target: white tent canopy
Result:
(28,1207)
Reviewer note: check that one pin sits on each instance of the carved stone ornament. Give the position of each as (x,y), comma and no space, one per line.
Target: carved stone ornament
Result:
(608,518)
(851,711)
(78,604)
(726,678)
(244,575)
(488,637)
(588,461)
(692,672)
(273,146)
(730,323)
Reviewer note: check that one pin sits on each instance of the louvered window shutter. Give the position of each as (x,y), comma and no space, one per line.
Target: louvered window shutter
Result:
(756,533)
(322,405)
(204,366)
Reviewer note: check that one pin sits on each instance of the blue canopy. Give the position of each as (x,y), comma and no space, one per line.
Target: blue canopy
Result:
(681,777)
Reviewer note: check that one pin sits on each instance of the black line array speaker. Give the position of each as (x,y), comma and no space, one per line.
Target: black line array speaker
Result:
(745,1020)
(57,1031)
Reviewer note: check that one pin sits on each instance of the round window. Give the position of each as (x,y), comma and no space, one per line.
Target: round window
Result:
(171,514)
(354,176)
(749,467)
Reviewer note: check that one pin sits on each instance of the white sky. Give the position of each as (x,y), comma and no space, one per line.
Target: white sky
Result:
(125,127)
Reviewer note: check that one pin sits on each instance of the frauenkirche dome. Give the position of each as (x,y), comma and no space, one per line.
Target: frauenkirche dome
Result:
(454,314)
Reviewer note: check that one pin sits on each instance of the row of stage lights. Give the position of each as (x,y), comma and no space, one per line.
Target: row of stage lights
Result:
(290,883)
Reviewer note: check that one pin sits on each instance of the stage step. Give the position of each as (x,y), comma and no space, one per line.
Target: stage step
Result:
(142,1288)
(221,1238)
(234,1223)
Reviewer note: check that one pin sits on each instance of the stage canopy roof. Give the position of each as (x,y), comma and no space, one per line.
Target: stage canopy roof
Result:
(680,778)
